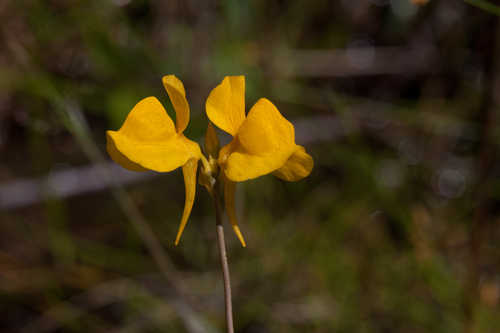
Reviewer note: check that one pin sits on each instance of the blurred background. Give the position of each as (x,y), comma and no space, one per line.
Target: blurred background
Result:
(396,229)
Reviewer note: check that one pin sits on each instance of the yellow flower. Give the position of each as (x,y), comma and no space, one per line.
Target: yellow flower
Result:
(148,140)
(263,142)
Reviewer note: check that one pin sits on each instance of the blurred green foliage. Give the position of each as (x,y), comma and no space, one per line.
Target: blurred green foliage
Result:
(396,229)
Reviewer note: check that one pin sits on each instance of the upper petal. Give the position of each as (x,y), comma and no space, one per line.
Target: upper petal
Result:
(119,158)
(225,105)
(161,156)
(148,122)
(148,140)
(298,166)
(177,94)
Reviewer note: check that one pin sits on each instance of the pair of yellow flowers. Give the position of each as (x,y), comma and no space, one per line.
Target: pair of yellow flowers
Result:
(263,142)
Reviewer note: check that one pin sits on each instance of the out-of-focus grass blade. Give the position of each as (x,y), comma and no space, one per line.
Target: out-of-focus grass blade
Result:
(485,5)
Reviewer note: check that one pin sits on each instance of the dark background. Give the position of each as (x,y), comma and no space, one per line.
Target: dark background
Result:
(395,230)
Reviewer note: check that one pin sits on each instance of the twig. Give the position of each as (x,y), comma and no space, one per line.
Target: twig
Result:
(224,263)
(68,182)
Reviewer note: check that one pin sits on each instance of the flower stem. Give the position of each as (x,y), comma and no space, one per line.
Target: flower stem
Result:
(224,263)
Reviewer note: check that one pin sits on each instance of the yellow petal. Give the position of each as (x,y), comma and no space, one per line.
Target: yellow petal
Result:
(119,157)
(265,130)
(225,151)
(177,94)
(298,166)
(148,121)
(225,105)
(163,156)
(264,143)
(229,190)
(211,141)
(189,172)
(148,140)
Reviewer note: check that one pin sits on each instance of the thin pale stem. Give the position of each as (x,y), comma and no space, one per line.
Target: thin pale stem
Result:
(224,263)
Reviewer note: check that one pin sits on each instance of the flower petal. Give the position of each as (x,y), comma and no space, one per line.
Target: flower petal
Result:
(163,156)
(229,190)
(265,130)
(177,94)
(264,143)
(298,166)
(147,139)
(148,122)
(241,166)
(225,105)
(189,171)
(120,158)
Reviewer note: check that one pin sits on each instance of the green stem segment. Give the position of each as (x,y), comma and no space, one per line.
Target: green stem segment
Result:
(224,263)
